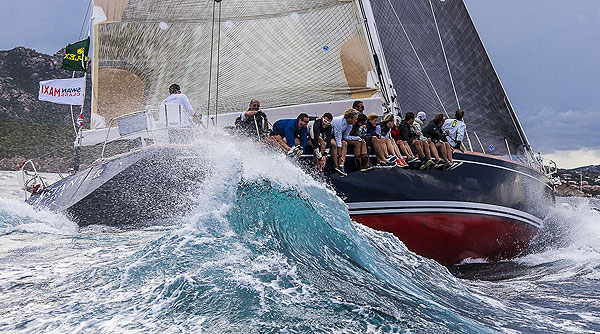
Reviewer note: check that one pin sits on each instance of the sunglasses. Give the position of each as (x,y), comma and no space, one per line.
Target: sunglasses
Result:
(326,121)
(255,105)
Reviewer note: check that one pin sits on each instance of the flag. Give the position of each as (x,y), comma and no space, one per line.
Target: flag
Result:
(75,58)
(79,120)
(63,91)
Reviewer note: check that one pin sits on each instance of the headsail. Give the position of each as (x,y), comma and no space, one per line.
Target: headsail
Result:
(280,51)
(438,63)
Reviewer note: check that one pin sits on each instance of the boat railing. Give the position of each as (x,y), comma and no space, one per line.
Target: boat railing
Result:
(479,141)
(30,181)
(128,125)
(152,124)
(552,167)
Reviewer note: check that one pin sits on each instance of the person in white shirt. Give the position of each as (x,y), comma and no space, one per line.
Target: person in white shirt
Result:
(455,129)
(177,98)
(342,125)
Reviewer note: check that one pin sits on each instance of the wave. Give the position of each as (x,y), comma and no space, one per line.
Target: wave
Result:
(18,216)
(270,249)
(569,241)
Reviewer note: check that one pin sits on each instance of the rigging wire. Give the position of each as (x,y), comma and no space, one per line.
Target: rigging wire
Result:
(368,40)
(419,59)
(437,28)
(85,19)
(218,63)
(212,36)
(444,52)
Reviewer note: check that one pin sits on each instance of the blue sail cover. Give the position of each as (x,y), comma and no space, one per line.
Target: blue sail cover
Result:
(414,52)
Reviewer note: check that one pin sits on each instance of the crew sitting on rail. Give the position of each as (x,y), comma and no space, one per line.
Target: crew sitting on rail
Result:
(253,122)
(361,152)
(320,134)
(433,131)
(342,125)
(359,129)
(385,155)
(290,134)
(455,130)
(411,138)
(428,145)
(387,126)
(402,144)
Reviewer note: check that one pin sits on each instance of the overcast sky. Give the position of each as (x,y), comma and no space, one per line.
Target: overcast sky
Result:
(546,52)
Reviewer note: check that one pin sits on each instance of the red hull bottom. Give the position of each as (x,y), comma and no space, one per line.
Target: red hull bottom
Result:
(450,238)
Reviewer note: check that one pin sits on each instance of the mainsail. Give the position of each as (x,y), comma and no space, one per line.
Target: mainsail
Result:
(438,63)
(282,52)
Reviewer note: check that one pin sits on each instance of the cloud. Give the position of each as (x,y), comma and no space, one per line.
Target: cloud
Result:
(552,130)
(574,158)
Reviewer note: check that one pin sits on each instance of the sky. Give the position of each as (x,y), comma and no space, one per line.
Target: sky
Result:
(546,53)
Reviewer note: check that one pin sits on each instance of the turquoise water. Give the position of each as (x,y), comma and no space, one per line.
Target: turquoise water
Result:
(270,250)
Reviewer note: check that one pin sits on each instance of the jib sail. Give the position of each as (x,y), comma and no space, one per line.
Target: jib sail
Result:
(438,63)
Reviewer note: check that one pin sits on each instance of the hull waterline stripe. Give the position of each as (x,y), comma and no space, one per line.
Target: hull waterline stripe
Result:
(440,207)
(433,210)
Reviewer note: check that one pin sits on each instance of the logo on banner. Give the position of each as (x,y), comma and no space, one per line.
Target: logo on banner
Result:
(75,58)
(63,91)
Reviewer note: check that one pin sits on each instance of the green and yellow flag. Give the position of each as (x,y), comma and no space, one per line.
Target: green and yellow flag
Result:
(74,55)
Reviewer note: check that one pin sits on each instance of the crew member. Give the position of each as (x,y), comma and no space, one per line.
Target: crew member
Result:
(177,98)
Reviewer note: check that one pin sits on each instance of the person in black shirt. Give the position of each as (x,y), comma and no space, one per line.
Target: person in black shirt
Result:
(319,135)
(253,121)
(406,133)
(433,131)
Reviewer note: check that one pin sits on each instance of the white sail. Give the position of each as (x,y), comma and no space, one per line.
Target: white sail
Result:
(282,52)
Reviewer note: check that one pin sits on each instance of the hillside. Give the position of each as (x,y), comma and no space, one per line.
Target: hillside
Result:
(582,181)
(30,128)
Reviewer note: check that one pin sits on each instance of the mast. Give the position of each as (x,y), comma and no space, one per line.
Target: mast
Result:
(377,56)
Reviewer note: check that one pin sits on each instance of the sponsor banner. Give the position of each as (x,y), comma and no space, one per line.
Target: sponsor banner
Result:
(75,58)
(63,91)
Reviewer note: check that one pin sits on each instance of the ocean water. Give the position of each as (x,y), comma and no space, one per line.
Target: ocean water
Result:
(270,250)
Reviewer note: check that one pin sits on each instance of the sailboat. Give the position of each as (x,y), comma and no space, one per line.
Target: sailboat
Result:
(311,56)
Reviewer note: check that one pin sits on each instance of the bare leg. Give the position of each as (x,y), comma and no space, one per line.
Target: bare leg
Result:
(449,151)
(419,148)
(426,149)
(277,141)
(405,149)
(389,145)
(363,148)
(334,153)
(395,148)
(442,148)
(378,150)
(356,147)
(433,151)
(364,152)
(322,146)
(343,153)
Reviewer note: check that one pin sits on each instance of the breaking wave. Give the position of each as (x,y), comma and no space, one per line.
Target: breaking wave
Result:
(270,249)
